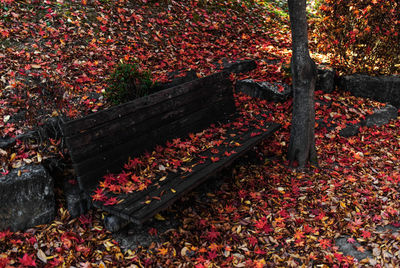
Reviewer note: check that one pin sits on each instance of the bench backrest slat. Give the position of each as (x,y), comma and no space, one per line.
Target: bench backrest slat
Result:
(102,142)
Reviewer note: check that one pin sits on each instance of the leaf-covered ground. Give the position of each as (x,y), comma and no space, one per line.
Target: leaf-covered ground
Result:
(53,60)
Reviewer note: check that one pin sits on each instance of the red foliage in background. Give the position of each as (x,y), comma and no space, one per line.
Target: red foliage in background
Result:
(363,34)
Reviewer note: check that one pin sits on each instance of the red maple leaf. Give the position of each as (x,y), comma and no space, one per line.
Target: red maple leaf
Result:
(27,260)
(351,240)
(260,251)
(252,240)
(214,150)
(299,234)
(4,234)
(366,234)
(152,231)
(98,195)
(176,163)
(214,159)
(212,255)
(122,178)
(133,163)
(227,153)
(4,261)
(324,243)
(85,219)
(212,235)
(114,188)
(253,134)
(361,248)
(135,178)
(263,225)
(111,201)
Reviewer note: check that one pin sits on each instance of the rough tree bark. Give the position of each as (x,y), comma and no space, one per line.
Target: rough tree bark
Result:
(302,137)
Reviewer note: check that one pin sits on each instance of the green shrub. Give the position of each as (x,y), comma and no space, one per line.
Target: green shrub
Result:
(127,83)
(363,35)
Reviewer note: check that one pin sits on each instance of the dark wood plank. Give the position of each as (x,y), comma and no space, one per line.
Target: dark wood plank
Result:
(130,199)
(189,183)
(135,201)
(169,108)
(137,211)
(91,170)
(120,132)
(73,127)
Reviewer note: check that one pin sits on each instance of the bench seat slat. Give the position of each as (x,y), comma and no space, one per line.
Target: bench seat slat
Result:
(138,211)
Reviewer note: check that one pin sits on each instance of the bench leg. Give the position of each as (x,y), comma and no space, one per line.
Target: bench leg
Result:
(114,223)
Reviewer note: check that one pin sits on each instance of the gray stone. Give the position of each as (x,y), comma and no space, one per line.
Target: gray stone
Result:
(350,130)
(388,228)
(51,128)
(6,142)
(379,88)
(18,117)
(325,79)
(48,129)
(236,66)
(95,96)
(26,198)
(350,249)
(77,202)
(381,117)
(114,223)
(133,236)
(264,90)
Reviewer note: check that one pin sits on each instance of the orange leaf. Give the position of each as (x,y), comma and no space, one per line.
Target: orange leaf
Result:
(214,159)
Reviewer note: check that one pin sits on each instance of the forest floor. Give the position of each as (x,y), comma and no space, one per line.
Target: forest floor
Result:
(54,58)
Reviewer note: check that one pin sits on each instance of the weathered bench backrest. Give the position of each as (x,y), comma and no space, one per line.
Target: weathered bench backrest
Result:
(102,142)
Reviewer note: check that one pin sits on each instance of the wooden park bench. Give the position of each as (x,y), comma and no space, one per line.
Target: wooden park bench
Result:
(102,142)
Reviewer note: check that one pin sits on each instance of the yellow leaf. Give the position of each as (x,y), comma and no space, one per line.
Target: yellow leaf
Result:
(187,159)
(36,66)
(159,217)
(173,190)
(162,251)
(39,157)
(147,201)
(98,228)
(108,245)
(17,164)
(343,205)
(13,157)
(183,251)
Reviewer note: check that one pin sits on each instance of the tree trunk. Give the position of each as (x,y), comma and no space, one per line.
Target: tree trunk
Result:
(302,137)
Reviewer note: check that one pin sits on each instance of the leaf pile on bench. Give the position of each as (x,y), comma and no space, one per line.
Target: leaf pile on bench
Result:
(150,183)
(101,144)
